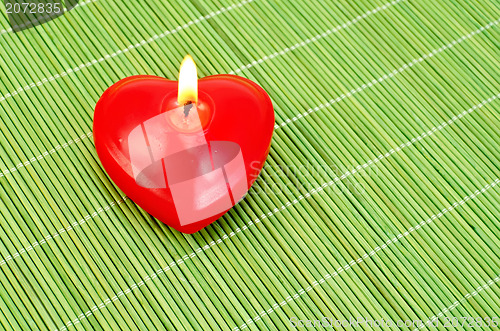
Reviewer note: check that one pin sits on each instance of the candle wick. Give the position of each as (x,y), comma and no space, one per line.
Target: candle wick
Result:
(187,107)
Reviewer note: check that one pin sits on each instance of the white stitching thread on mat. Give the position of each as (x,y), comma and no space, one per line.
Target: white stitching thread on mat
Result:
(365,256)
(79,4)
(62,230)
(179,28)
(129,48)
(307,195)
(276,210)
(387,76)
(485,286)
(45,154)
(317,37)
(329,103)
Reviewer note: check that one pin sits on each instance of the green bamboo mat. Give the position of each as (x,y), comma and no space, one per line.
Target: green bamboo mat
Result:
(379,200)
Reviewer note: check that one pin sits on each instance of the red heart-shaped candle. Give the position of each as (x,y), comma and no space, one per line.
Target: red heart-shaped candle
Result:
(185,178)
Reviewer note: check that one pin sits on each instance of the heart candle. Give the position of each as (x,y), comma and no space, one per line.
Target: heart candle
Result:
(185,152)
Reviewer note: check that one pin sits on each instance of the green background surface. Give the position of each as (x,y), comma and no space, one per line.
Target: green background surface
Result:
(387,144)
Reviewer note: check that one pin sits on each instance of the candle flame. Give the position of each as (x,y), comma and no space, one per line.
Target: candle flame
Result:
(188,82)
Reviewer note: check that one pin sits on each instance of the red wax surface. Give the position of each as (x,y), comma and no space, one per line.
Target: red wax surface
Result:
(231,109)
